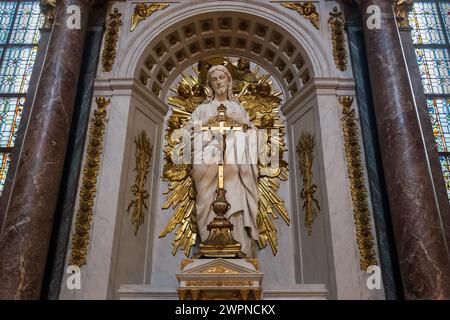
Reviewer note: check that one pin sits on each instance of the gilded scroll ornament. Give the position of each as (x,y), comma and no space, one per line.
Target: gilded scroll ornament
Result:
(48,9)
(81,235)
(143,11)
(336,23)
(402,9)
(358,189)
(112,36)
(143,156)
(305,152)
(261,101)
(306,9)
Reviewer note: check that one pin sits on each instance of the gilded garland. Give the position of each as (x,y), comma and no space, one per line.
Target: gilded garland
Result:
(336,23)
(305,151)
(305,9)
(112,36)
(256,94)
(143,156)
(81,236)
(364,235)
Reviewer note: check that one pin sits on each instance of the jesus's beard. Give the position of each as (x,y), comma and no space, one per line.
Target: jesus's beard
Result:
(221,91)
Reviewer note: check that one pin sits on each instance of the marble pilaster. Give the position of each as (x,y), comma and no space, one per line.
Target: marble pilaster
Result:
(29,213)
(423,257)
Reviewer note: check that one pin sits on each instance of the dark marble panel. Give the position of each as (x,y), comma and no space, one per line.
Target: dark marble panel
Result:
(29,215)
(419,236)
(381,213)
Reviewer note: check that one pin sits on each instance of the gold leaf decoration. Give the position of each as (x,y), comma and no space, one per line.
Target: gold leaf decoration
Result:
(364,235)
(306,9)
(305,151)
(258,97)
(81,235)
(402,9)
(336,23)
(112,36)
(143,156)
(48,10)
(143,11)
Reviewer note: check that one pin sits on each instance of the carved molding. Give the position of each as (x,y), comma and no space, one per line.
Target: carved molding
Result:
(306,9)
(361,213)
(81,235)
(143,157)
(143,11)
(112,36)
(305,151)
(336,23)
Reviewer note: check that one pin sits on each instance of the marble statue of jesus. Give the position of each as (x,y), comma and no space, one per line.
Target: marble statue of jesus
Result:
(240,168)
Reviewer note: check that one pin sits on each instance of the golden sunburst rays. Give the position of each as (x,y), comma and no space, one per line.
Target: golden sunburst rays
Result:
(256,92)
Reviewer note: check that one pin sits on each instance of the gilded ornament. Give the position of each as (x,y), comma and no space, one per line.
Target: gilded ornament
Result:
(48,9)
(112,36)
(358,189)
(256,94)
(143,11)
(81,235)
(305,152)
(402,9)
(219,269)
(184,263)
(306,9)
(336,23)
(218,283)
(143,156)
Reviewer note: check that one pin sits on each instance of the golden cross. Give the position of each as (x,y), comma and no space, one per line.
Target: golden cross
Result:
(222,123)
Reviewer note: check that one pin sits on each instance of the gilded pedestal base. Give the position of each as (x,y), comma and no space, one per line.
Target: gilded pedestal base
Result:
(219,279)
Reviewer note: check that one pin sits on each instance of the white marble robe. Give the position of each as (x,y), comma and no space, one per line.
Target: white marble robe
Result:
(240,174)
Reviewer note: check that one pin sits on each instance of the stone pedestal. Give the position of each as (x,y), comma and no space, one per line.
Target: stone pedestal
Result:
(220,279)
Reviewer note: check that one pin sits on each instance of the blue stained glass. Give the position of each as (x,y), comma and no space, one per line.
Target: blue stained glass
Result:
(445,10)
(434,66)
(440,117)
(16,69)
(26,25)
(427,28)
(430,21)
(19,35)
(4,165)
(7,10)
(10,114)
(445,163)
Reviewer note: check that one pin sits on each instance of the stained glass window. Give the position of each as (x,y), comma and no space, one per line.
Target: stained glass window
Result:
(430,20)
(19,35)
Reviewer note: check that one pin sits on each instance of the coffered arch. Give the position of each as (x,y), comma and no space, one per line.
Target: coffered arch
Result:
(293,57)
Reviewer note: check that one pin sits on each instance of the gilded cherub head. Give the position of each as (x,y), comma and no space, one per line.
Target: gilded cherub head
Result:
(184,91)
(264,89)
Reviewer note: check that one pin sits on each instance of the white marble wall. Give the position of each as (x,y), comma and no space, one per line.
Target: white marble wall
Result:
(115,255)
(330,255)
